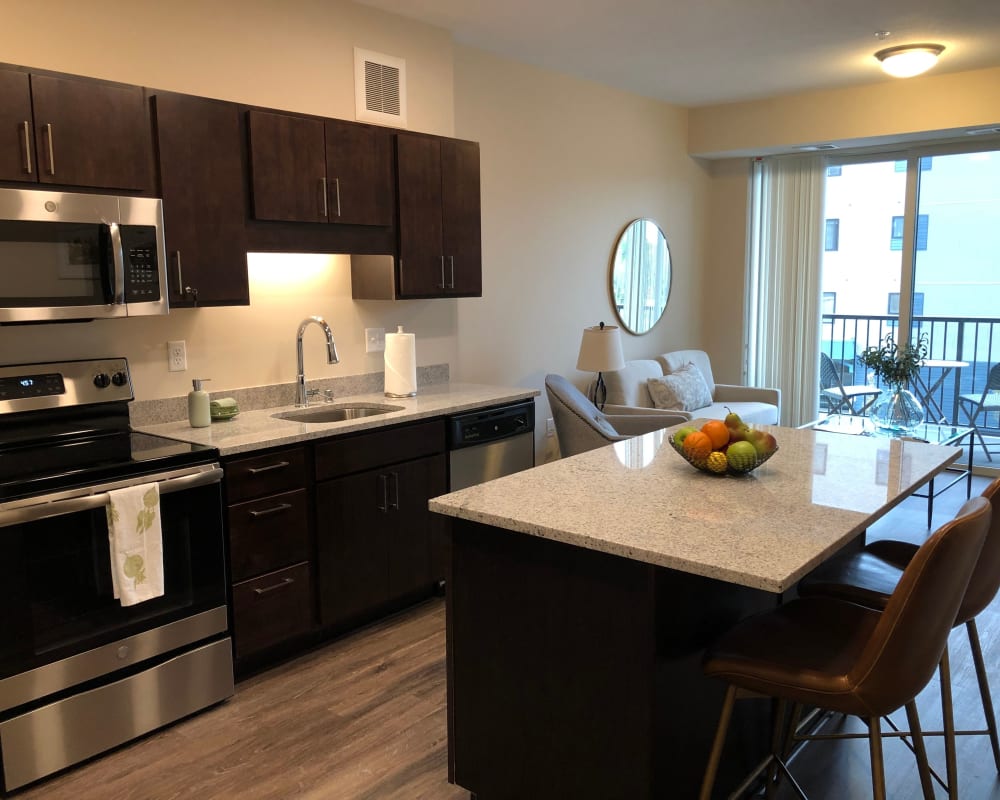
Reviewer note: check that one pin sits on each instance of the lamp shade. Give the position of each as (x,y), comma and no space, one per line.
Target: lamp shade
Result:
(908,60)
(601,349)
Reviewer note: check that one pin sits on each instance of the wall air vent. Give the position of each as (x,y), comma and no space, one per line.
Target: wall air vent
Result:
(811,148)
(379,88)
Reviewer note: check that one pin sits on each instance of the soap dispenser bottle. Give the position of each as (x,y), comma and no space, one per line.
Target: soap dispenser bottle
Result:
(198,405)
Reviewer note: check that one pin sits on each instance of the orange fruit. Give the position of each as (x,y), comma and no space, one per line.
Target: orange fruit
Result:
(717,431)
(697,446)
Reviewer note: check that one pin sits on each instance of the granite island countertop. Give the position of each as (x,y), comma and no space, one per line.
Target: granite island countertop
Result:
(259,429)
(639,499)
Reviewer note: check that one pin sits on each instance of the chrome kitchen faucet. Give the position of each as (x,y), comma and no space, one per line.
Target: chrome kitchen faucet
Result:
(301,394)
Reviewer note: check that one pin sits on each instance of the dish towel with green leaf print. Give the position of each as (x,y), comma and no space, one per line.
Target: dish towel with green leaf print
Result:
(136,543)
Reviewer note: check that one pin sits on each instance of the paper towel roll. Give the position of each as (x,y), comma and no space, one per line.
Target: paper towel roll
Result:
(400,364)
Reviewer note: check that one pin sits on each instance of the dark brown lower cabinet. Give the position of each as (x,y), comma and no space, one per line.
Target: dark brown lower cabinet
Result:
(271,609)
(373,536)
(373,528)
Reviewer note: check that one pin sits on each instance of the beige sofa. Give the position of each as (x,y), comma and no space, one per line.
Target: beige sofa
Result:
(628,390)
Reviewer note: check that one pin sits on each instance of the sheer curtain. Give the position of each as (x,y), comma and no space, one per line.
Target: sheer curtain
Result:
(785,238)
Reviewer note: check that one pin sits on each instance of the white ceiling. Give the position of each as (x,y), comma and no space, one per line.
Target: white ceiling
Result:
(702,52)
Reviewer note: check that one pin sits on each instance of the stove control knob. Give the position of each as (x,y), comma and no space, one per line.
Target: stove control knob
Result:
(119,379)
(101,380)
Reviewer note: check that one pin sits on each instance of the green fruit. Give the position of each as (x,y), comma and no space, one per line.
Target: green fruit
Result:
(733,420)
(742,456)
(682,434)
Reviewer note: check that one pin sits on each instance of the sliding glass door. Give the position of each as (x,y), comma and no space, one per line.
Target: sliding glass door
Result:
(912,247)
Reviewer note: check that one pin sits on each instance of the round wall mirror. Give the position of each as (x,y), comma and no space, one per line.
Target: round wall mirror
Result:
(640,276)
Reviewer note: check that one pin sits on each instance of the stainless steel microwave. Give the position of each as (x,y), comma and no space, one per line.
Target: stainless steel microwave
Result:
(66,256)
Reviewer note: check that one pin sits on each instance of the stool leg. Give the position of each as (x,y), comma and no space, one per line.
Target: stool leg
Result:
(948,715)
(779,709)
(984,688)
(708,782)
(878,767)
(918,748)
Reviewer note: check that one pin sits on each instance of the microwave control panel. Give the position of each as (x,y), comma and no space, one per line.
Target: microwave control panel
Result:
(142,281)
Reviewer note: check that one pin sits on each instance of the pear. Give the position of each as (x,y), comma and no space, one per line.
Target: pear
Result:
(738,429)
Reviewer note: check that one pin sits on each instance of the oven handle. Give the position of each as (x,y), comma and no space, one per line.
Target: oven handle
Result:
(56,505)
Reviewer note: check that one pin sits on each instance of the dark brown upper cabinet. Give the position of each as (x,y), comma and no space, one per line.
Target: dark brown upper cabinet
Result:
(199,143)
(306,169)
(68,131)
(440,251)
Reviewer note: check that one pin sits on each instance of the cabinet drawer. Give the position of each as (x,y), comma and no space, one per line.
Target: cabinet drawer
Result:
(349,454)
(268,533)
(272,608)
(259,476)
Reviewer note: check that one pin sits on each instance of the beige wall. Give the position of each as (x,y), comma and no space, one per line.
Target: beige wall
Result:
(565,165)
(886,111)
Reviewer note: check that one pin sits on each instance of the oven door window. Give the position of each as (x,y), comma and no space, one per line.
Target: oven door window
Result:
(53,264)
(55,580)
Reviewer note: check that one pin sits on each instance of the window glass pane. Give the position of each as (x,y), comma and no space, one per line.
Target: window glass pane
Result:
(832,235)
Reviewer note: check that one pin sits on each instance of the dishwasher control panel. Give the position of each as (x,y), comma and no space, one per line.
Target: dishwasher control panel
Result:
(490,425)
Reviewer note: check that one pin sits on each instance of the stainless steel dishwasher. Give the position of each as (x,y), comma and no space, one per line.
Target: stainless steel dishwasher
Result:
(490,443)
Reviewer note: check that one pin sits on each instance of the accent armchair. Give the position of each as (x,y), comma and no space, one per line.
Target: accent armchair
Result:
(580,426)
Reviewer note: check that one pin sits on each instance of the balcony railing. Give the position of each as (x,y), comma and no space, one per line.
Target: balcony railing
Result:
(975,341)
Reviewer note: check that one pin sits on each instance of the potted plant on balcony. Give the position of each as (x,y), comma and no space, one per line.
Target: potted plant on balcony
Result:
(897,410)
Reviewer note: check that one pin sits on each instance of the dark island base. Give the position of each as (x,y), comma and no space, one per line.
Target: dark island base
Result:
(577,674)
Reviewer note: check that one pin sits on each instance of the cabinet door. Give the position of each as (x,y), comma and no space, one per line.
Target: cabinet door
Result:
(201,177)
(411,485)
(461,217)
(359,174)
(422,266)
(288,167)
(89,133)
(352,523)
(17,161)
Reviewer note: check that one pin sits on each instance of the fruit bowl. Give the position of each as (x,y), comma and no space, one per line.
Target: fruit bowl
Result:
(702,465)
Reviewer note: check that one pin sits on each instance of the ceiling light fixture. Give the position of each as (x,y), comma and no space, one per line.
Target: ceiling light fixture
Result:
(907,60)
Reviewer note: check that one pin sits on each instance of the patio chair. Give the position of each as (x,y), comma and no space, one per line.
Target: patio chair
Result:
(975,405)
(840,398)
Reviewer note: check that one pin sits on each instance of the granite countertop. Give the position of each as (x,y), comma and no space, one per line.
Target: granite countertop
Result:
(259,429)
(641,500)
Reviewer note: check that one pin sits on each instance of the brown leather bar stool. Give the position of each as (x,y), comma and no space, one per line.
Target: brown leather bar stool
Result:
(839,656)
(869,576)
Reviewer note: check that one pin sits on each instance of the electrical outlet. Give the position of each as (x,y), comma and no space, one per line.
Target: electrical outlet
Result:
(177,360)
(550,427)
(374,340)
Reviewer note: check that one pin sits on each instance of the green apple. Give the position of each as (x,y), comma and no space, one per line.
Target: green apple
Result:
(742,456)
(682,434)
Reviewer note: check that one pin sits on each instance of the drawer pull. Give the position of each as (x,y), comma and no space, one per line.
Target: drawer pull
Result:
(285,582)
(268,468)
(265,512)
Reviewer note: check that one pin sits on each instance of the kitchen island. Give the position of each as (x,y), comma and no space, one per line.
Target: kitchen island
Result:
(583,593)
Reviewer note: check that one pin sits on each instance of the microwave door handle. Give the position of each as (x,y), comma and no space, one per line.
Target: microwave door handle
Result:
(118,259)
(45,506)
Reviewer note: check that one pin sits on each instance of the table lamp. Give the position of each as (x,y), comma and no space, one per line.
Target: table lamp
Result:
(600,351)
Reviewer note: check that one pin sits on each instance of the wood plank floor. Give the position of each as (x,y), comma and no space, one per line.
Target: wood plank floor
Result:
(364,719)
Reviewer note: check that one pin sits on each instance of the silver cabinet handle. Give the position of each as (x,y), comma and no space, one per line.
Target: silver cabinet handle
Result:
(394,505)
(336,185)
(285,582)
(322,184)
(452,260)
(52,152)
(383,481)
(118,256)
(183,290)
(442,284)
(27,147)
(266,512)
(269,467)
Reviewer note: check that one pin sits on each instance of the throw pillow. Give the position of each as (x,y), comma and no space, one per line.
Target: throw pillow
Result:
(682,390)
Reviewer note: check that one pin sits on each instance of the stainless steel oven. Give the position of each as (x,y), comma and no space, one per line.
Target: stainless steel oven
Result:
(66,256)
(79,672)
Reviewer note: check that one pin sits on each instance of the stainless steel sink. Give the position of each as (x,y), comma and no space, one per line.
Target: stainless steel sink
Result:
(336,412)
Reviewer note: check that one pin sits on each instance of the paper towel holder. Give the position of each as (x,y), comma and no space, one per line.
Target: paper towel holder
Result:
(410,367)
